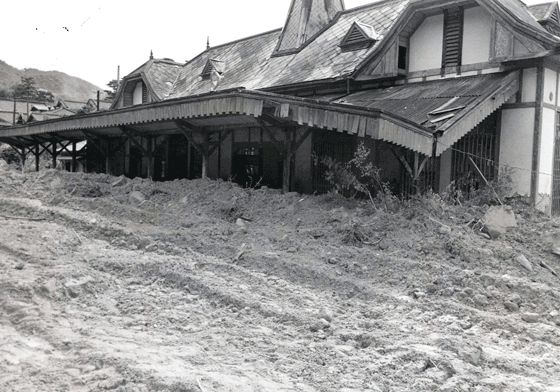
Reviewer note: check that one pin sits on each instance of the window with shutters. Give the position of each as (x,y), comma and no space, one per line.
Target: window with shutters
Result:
(135,93)
(452,38)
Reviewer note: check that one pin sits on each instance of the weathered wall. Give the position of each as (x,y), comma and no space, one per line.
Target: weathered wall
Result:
(426,45)
(477,36)
(516,147)
(529,85)
(546,159)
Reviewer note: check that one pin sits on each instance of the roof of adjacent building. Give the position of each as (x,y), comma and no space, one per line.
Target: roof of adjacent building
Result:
(542,12)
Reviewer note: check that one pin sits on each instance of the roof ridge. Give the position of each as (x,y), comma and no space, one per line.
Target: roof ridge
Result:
(364,6)
(237,41)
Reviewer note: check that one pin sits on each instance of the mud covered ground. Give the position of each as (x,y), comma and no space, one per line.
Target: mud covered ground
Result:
(129,285)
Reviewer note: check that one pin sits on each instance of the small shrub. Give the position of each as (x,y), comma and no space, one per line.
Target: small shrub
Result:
(358,176)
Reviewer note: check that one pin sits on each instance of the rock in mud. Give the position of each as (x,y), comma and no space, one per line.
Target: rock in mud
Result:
(122,180)
(497,220)
(481,300)
(530,317)
(511,306)
(136,198)
(326,315)
(521,259)
(320,326)
(472,356)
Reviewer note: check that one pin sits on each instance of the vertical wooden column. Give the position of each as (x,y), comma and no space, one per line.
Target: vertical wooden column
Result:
(189,163)
(416,178)
(37,156)
(150,148)
(287,161)
(107,161)
(73,168)
(23,158)
(205,154)
(54,154)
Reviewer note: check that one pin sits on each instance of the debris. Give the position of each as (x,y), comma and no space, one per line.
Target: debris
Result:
(79,239)
(521,259)
(200,385)
(497,220)
(122,180)
(137,198)
(21,218)
(240,222)
(481,300)
(326,315)
(240,253)
(530,317)
(544,265)
(511,306)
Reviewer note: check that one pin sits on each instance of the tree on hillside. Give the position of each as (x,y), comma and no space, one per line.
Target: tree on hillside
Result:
(5,93)
(45,95)
(26,90)
(111,94)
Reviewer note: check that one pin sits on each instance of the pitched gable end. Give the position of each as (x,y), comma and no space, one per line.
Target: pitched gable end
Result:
(359,36)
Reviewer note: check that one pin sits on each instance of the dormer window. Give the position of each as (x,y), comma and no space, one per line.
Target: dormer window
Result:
(213,65)
(135,93)
(360,36)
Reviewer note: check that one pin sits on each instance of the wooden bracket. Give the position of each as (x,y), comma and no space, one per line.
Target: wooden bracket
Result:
(131,134)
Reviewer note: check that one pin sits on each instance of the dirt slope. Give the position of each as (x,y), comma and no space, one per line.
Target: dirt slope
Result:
(205,286)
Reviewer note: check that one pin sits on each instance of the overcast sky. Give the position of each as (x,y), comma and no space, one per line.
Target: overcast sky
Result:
(90,39)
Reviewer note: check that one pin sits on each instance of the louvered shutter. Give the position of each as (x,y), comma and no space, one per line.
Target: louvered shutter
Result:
(144,93)
(127,96)
(453,38)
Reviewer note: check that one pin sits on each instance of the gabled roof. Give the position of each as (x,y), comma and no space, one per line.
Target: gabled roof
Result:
(250,63)
(158,74)
(7,105)
(305,19)
(543,11)
(520,18)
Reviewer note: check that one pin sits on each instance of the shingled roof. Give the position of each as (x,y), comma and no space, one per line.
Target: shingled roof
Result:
(250,64)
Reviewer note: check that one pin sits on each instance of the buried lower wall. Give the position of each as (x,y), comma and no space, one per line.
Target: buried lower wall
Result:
(516,148)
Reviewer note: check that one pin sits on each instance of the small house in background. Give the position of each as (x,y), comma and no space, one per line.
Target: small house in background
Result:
(444,93)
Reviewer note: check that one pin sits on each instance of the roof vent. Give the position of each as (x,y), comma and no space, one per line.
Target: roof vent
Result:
(360,36)
(213,65)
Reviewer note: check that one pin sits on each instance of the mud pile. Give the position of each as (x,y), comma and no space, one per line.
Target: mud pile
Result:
(131,285)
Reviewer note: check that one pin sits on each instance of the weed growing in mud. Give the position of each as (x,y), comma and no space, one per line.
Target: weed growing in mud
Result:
(358,177)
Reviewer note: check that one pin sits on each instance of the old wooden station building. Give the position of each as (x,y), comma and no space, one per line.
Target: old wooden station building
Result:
(425,84)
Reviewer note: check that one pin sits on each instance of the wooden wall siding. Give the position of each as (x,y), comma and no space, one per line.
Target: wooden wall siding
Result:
(457,128)
(211,107)
(387,65)
(377,128)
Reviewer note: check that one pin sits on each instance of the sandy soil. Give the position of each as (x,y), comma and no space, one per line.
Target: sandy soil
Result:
(113,284)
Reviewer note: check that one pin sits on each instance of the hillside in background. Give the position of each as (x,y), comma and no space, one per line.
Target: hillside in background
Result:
(60,84)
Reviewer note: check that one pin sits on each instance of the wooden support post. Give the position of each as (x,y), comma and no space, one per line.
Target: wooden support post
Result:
(37,156)
(205,155)
(73,168)
(287,161)
(23,159)
(53,144)
(150,142)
